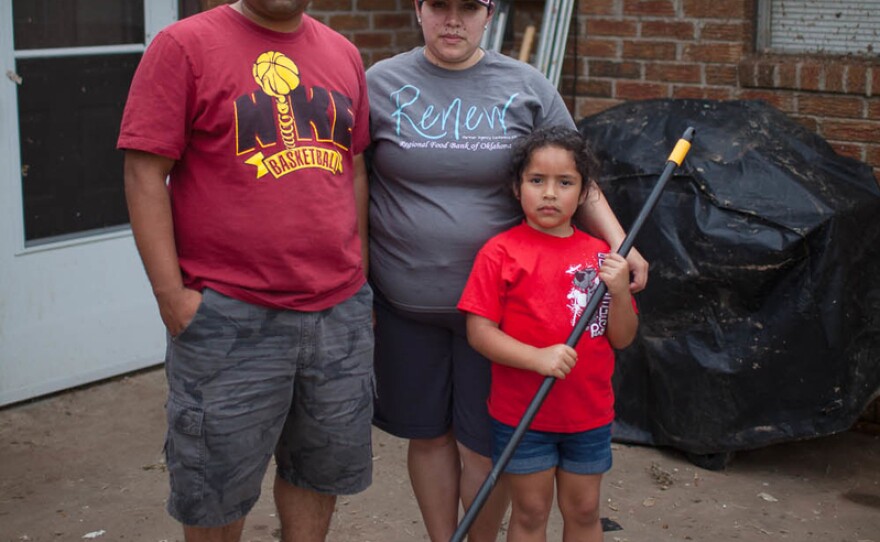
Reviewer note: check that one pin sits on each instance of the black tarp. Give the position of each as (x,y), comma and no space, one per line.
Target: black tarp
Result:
(761,320)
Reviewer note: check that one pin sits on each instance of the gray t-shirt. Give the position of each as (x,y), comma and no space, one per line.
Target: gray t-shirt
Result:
(439,184)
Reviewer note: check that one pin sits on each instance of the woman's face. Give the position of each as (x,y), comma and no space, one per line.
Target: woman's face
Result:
(453,30)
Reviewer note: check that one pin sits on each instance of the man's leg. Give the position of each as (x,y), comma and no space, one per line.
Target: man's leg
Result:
(325,446)
(227,533)
(229,394)
(305,514)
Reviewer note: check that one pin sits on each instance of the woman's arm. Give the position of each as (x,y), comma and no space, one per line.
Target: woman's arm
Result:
(622,319)
(596,217)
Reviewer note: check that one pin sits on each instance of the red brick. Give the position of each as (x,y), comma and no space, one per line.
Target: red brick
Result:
(765,74)
(381,5)
(649,50)
(595,87)
(724,31)
(651,8)
(372,40)
(875,81)
(703,93)
(404,41)
(831,106)
(723,53)
(591,106)
(612,27)
(673,73)
(599,48)
(852,130)
(848,149)
(856,79)
(376,56)
(745,72)
(786,74)
(668,29)
(348,21)
(331,5)
(597,7)
(835,77)
(872,156)
(811,76)
(716,9)
(779,100)
(616,70)
(721,74)
(394,21)
(809,123)
(874,108)
(635,90)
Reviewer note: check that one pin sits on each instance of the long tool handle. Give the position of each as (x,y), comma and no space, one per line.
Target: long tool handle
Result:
(675,159)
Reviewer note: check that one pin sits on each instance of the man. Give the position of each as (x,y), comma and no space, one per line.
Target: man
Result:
(257,116)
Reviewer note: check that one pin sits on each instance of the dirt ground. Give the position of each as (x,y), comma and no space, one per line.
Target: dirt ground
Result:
(86,464)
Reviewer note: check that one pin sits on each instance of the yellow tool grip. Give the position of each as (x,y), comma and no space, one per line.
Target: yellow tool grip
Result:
(680,151)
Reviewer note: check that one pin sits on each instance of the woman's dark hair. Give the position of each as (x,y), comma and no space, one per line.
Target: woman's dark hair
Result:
(554,136)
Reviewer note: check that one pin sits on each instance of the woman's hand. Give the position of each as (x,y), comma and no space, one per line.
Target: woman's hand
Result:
(638,266)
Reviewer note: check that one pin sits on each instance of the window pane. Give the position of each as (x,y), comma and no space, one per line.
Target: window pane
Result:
(69,111)
(41,24)
(825,26)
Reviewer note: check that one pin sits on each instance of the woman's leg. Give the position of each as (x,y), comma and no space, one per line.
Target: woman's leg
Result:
(475,469)
(578,496)
(531,497)
(434,470)
(414,395)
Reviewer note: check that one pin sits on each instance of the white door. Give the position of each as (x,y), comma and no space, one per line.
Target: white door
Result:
(75,305)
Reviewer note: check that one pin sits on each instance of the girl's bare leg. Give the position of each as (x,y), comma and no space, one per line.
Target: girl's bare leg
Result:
(578,496)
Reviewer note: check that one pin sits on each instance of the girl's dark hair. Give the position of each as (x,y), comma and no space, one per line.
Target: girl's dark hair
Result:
(554,136)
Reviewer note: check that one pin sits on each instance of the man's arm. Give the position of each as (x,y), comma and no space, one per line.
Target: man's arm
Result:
(597,218)
(362,204)
(149,209)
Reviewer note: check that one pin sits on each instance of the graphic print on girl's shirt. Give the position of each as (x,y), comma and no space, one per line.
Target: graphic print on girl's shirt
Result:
(584,282)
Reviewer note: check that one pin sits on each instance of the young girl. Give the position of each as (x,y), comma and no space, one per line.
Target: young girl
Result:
(527,289)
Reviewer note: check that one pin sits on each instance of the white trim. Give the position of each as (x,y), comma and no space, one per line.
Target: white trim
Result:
(74,239)
(81,51)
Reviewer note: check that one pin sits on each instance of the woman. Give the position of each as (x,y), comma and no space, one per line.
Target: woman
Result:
(443,119)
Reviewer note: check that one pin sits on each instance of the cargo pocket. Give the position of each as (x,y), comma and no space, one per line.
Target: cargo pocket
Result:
(185,452)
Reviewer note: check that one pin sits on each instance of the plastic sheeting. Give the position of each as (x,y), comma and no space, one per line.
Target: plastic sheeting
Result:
(761,320)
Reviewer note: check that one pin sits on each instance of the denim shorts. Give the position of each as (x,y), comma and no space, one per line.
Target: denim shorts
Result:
(587,452)
(247,381)
(428,378)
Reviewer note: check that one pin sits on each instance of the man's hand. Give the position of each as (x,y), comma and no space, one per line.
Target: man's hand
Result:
(178,308)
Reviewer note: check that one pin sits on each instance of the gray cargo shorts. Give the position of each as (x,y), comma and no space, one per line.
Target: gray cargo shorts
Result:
(246,381)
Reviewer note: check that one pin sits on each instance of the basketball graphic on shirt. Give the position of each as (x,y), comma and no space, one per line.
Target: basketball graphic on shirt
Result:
(276,74)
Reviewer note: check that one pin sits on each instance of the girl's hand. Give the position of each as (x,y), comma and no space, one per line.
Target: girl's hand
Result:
(556,361)
(615,274)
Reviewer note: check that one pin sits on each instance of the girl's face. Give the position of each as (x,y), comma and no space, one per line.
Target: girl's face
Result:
(550,190)
(453,30)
